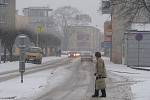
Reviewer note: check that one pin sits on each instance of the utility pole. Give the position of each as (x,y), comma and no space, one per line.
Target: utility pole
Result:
(65,33)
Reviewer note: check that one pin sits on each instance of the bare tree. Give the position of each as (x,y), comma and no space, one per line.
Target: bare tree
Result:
(8,39)
(70,16)
(132,8)
(67,16)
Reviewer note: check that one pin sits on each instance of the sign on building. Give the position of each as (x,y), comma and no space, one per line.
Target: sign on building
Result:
(106,45)
(108,31)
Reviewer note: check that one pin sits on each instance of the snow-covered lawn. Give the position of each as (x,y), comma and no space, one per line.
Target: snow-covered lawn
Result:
(141,79)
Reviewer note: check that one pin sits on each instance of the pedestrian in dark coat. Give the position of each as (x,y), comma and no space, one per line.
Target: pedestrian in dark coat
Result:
(100,76)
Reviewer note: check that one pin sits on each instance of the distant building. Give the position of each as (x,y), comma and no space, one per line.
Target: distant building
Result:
(37,11)
(39,17)
(40,23)
(7,14)
(83,38)
(22,22)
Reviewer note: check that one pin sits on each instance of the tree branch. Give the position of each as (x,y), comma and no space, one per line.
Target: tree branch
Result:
(145,5)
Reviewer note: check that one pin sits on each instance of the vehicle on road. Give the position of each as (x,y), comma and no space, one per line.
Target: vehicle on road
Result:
(73,54)
(34,55)
(86,56)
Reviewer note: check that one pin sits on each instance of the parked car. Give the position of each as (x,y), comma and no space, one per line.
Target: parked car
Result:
(34,55)
(86,56)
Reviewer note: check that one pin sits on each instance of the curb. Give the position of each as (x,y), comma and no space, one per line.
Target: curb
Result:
(139,68)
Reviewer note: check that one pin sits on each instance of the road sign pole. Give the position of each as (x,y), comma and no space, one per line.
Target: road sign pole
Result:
(22,66)
(21,77)
(39,29)
(139,37)
(138,53)
(22,46)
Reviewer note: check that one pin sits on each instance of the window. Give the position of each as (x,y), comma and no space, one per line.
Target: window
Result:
(3,19)
(2,6)
(3,1)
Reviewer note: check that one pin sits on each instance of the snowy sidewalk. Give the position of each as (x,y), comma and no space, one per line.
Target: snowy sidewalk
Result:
(134,83)
(9,66)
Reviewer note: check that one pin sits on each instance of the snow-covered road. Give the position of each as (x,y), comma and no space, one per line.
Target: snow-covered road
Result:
(75,81)
(80,85)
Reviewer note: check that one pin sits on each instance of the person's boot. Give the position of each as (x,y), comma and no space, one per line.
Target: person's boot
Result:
(103,93)
(96,94)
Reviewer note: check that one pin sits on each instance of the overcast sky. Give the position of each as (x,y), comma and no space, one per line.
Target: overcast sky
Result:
(85,6)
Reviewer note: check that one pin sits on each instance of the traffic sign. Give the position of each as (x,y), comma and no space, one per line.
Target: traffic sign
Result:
(139,37)
(39,28)
(21,66)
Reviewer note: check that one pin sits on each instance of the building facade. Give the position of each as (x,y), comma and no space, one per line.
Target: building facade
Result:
(7,17)
(7,14)
(39,17)
(40,23)
(37,11)
(22,22)
(123,16)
